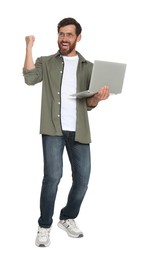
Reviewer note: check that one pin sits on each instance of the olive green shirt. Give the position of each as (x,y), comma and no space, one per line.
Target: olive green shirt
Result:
(49,71)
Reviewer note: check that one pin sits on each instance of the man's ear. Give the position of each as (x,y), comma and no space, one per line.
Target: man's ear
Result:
(79,37)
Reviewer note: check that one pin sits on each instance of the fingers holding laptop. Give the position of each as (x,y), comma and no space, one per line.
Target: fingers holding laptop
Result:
(103,93)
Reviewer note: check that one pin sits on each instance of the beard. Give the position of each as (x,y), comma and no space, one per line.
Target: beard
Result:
(66,47)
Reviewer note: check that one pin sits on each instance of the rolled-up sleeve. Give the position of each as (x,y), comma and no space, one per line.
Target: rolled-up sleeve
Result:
(33,76)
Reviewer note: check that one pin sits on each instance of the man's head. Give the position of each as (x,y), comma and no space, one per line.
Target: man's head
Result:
(69,33)
(69,21)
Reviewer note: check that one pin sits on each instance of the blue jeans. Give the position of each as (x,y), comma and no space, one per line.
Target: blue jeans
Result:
(79,156)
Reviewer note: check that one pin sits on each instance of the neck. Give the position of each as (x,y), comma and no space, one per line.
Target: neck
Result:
(71,54)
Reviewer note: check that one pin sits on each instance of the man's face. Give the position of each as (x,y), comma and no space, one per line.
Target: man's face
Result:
(67,40)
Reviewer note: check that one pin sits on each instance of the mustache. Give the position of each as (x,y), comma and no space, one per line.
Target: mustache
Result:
(64,42)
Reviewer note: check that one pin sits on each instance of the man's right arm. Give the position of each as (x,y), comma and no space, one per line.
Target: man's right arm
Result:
(29,63)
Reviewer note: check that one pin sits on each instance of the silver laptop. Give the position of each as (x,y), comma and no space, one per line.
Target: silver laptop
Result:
(105,73)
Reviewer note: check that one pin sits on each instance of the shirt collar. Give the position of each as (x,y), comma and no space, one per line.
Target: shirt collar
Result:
(81,58)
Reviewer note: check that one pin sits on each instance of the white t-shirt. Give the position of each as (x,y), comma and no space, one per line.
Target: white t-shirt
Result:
(68,103)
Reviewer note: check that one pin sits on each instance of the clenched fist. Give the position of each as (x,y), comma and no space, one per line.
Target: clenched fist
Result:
(29,41)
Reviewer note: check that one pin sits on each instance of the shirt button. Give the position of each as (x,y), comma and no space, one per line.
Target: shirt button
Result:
(58,93)
(58,103)
(61,71)
(58,115)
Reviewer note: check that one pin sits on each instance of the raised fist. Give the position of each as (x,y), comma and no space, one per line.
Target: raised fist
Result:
(29,40)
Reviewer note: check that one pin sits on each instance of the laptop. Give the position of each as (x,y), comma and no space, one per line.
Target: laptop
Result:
(105,73)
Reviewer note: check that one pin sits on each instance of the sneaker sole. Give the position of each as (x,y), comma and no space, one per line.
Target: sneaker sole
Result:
(42,245)
(70,235)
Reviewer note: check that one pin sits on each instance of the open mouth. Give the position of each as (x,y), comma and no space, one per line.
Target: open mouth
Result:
(64,45)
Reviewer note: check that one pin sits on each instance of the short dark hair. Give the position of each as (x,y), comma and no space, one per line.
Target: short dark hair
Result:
(68,21)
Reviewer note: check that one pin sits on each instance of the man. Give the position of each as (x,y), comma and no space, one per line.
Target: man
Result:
(64,123)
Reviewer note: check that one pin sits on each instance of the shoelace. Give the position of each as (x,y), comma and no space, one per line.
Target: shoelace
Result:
(71,223)
(43,232)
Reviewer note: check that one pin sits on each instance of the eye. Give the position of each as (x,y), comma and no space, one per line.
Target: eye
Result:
(69,35)
(61,34)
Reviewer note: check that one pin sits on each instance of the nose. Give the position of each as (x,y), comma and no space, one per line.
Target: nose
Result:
(64,37)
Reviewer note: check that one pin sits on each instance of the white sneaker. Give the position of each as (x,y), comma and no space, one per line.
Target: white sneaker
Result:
(70,227)
(43,237)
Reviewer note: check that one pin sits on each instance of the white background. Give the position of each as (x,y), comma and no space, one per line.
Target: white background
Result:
(113,213)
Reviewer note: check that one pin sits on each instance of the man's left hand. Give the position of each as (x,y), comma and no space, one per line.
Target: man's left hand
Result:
(102,94)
